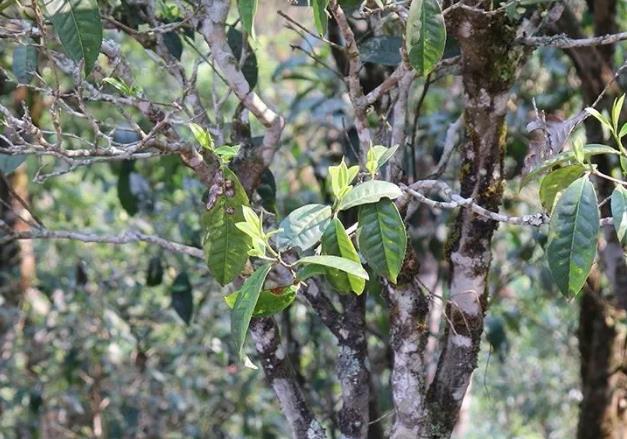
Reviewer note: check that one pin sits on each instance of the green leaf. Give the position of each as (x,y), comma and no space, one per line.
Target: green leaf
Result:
(78,26)
(226,247)
(24,63)
(128,197)
(303,227)
(557,181)
(245,305)
(154,273)
(182,299)
(202,136)
(623,131)
(341,177)
(378,156)
(370,192)
(580,155)
(270,302)
(121,86)
(174,44)
(247,12)
(619,212)
(336,242)
(616,108)
(227,152)
(382,238)
(343,264)
(321,19)
(600,117)
(426,35)
(573,236)
(566,157)
(311,270)
(9,163)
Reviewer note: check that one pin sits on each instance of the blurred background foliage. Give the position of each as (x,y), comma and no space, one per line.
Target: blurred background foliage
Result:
(99,341)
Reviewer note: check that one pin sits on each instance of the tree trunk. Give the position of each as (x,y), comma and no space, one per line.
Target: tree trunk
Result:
(602,332)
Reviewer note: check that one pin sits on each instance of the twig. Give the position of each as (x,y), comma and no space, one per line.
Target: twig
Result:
(564,42)
(456,200)
(122,238)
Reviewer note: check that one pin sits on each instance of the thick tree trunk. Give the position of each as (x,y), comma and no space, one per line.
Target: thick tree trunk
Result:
(280,376)
(489,67)
(602,340)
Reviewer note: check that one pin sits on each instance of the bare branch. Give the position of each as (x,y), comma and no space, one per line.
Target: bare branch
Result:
(456,200)
(323,307)
(355,91)
(213,30)
(562,41)
(127,237)
(388,83)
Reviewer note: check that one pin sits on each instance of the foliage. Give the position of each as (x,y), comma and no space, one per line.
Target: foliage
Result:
(145,330)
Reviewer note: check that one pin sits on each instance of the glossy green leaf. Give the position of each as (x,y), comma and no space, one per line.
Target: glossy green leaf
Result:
(78,26)
(377,156)
(623,131)
(24,63)
(566,157)
(270,302)
(343,264)
(227,152)
(616,109)
(245,305)
(556,181)
(303,227)
(600,117)
(573,236)
(311,270)
(247,12)
(341,177)
(370,191)
(336,242)
(202,136)
(619,212)
(382,238)
(182,299)
(321,19)
(426,35)
(225,246)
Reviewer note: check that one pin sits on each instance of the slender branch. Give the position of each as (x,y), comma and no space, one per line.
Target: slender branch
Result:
(449,146)
(456,201)
(389,83)
(562,41)
(212,27)
(355,90)
(323,307)
(127,237)
(292,22)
